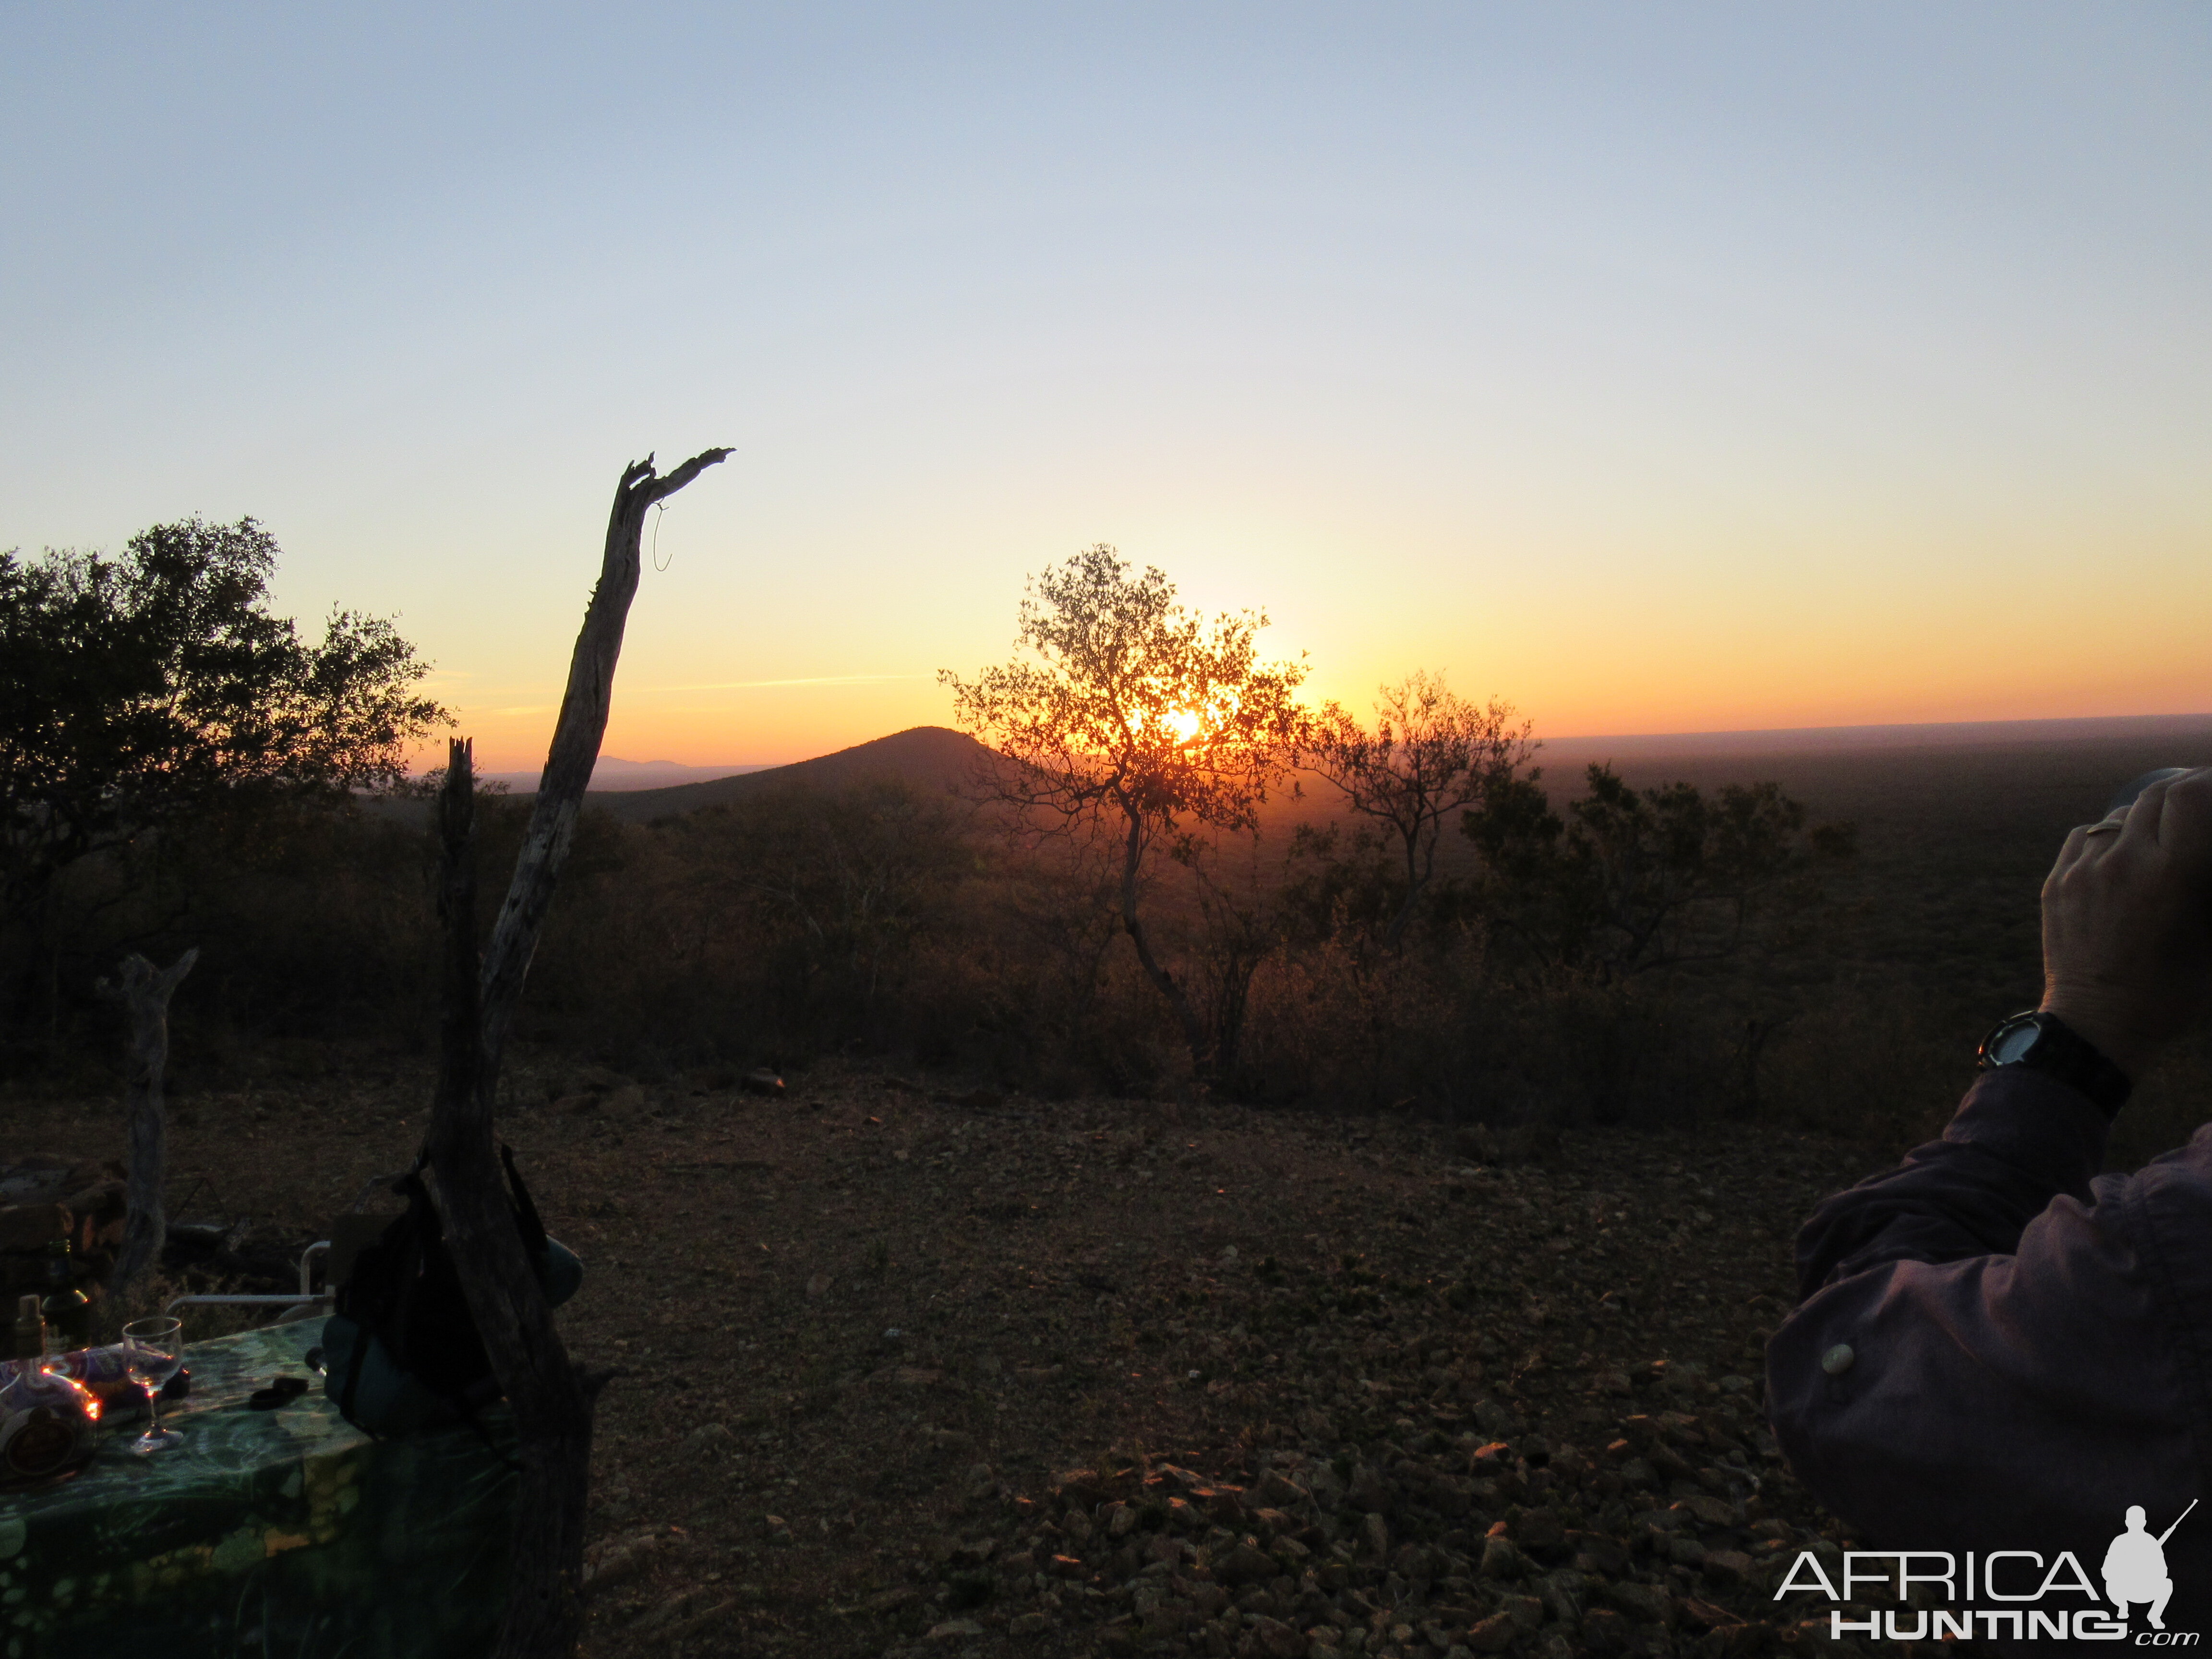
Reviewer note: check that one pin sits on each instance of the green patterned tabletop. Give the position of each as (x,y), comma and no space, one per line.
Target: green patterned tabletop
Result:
(265,1534)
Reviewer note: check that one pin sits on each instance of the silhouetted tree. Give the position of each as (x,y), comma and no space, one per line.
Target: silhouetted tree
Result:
(1432,754)
(155,688)
(1135,717)
(1632,880)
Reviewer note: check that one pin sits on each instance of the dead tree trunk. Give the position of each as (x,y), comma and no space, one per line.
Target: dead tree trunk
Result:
(144,992)
(552,1398)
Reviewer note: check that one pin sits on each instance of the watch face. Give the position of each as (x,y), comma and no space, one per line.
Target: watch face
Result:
(2012,1043)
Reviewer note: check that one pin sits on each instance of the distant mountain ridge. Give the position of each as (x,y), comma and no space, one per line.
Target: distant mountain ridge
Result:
(613,773)
(932,758)
(936,758)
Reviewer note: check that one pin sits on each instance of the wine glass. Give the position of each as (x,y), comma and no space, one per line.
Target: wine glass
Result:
(154,1352)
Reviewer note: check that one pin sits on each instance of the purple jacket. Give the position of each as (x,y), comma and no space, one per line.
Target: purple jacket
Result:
(2030,1350)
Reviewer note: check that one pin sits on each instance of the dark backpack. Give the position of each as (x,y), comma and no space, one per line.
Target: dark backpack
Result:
(401,1351)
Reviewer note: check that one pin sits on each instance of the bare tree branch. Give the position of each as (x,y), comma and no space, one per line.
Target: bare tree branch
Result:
(576,737)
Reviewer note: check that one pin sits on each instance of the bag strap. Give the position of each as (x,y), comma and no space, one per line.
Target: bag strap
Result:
(525,1211)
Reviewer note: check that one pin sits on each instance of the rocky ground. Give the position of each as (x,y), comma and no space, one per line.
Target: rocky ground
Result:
(906,1367)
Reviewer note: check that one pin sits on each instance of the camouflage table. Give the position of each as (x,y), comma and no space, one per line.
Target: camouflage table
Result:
(265,1534)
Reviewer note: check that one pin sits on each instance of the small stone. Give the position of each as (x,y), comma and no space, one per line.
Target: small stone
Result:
(1225,1503)
(1705,1615)
(1713,1511)
(1596,1553)
(1526,1612)
(1378,1536)
(1728,1567)
(1563,1593)
(1028,1624)
(955,1630)
(1535,1529)
(1838,1359)
(1121,1521)
(1500,1559)
(1645,1603)
(611,1566)
(1604,1630)
(817,1286)
(708,1441)
(1368,1489)
(1277,1640)
(1245,1564)
(1277,1492)
(762,1080)
(1740,1641)
(1494,1634)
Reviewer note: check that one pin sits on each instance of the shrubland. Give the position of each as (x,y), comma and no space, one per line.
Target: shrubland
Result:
(1173,881)
(1624,959)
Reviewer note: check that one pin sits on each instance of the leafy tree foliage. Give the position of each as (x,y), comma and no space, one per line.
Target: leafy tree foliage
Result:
(1631,880)
(1431,754)
(1132,717)
(149,688)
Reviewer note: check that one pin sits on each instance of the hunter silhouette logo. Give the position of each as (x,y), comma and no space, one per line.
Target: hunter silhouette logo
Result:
(2134,1566)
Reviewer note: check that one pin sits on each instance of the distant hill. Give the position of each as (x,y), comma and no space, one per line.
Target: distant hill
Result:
(933,758)
(613,773)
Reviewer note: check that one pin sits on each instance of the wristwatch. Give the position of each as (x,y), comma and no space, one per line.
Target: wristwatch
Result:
(2045,1044)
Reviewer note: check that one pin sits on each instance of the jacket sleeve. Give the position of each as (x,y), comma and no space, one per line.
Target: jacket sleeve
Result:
(2019,1140)
(1994,1323)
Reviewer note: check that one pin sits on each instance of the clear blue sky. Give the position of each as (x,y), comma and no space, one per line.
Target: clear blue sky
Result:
(1656,367)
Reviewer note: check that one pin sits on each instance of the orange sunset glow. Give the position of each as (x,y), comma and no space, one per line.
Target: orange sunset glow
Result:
(1704,372)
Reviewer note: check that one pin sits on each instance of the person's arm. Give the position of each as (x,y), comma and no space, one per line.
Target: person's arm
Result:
(2018,1141)
(1958,1379)
(1985,1338)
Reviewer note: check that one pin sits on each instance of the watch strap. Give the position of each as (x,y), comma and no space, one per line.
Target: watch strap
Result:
(2061,1052)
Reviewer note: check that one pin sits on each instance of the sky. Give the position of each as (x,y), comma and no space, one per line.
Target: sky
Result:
(1655,368)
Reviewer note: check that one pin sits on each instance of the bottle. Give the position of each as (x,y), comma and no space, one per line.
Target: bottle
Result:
(67,1309)
(30,1338)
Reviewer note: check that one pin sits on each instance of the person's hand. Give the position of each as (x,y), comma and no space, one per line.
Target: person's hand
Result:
(2127,923)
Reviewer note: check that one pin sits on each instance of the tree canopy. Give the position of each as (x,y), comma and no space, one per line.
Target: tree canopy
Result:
(1637,879)
(1134,715)
(155,684)
(1431,753)
(1131,703)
